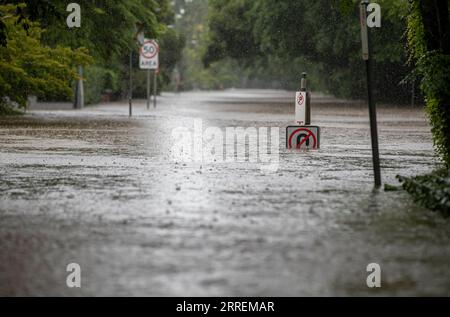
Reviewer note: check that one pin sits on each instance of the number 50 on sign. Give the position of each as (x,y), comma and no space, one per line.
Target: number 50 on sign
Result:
(149,55)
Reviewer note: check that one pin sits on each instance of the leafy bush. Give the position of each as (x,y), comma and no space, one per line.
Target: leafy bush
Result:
(429,49)
(7,110)
(435,69)
(99,80)
(27,67)
(431,191)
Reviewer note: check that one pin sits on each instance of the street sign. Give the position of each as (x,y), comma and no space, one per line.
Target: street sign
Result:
(303,137)
(300,107)
(149,55)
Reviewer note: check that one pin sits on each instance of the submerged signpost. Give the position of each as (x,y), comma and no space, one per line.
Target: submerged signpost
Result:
(365,37)
(303,136)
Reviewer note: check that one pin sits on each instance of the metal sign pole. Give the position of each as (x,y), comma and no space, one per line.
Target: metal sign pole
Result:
(149,59)
(303,87)
(155,88)
(365,35)
(148,89)
(130,92)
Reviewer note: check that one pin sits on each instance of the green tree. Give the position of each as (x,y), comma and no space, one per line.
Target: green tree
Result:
(29,67)
(322,35)
(192,25)
(429,45)
(107,28)
(172,45)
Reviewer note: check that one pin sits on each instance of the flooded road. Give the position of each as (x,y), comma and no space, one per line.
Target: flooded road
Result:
(97,188)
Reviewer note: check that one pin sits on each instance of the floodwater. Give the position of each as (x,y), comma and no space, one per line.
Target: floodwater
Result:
(97,188)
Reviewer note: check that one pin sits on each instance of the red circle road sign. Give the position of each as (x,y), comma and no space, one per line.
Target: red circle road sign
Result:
(300,99)
(149,49)
(309,134)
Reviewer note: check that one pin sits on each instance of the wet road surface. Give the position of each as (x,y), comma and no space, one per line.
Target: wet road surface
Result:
(97,188)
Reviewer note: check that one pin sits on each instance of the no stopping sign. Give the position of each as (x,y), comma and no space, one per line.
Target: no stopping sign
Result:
(303,137)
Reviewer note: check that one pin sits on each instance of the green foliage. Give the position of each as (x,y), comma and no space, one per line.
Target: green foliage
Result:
(231,25)
(108,30)
(391,188)
(194,30)
(172,45)
(324,34)
(29,67)
(433,67)
(7,110)
(431,191)
(99,80)
(108,26)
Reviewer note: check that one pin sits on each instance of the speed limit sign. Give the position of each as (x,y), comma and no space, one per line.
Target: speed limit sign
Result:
(149,55)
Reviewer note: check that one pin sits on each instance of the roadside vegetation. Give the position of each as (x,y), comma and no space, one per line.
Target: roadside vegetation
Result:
(102,44)
(431,191)
(428,36)
(278,40)
(29,67)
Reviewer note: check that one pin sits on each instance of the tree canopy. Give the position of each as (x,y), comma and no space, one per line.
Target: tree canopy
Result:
(108,26)
(323,33)
(29,67)
(108,33)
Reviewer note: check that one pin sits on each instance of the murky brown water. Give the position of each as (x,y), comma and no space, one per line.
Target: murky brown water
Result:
(97,188)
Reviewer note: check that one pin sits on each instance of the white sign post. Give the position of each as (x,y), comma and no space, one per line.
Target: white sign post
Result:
(300,108)
(149,59)
(303,136)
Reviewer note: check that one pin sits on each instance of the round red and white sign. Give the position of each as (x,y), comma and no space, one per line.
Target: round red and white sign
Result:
(150,49)
(302,137)
(300,99)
